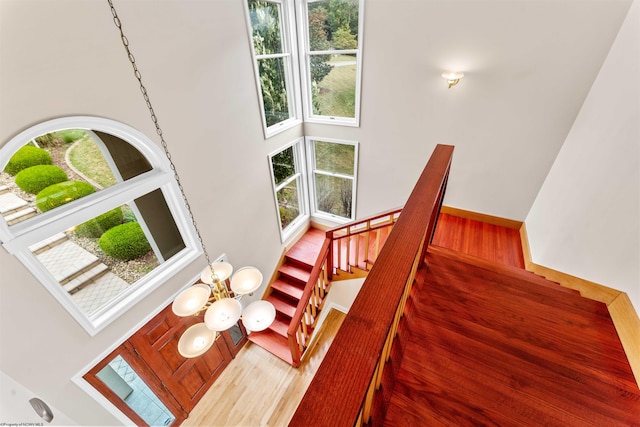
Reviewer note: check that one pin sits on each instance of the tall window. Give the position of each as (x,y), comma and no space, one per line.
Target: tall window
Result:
(333,174)
(289,187)
(332,39)
(90,206)
(270,24)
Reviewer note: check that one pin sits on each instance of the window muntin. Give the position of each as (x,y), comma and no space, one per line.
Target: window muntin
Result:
(289,187)
(332,62)
(270,23)
(333,166)
(144,186)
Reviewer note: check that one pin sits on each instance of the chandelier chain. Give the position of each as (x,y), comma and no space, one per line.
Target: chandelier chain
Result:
(154,118)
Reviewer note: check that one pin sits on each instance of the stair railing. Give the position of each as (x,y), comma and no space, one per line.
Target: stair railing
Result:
(336,253)
(352,243)
(311,301)
(343,388)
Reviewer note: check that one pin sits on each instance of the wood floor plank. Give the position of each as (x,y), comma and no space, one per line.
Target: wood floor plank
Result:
(488,241)
(258,389)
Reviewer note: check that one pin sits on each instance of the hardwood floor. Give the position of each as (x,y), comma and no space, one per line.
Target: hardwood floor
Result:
(258,389)
(487,241)
(495,355)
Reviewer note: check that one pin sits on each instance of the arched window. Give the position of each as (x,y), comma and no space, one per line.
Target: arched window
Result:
(91,207)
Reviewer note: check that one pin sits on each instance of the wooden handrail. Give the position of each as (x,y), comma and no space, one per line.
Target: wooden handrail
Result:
(362,221)
(354,229)
(310,304)
(342,389)
(297,319)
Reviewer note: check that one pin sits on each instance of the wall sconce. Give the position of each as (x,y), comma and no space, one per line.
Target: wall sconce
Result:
(453,77)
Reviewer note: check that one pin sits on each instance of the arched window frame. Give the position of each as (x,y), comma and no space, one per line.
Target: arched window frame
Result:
(17,238)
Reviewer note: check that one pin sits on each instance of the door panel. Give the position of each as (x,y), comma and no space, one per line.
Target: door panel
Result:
(135,391)
(186,379)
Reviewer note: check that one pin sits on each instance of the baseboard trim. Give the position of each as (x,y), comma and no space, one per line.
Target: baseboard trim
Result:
(624,317)
(489,219)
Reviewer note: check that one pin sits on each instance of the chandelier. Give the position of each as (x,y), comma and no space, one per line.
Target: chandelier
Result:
(219,293)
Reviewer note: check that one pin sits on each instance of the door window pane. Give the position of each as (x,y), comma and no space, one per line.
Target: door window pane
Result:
(120,377)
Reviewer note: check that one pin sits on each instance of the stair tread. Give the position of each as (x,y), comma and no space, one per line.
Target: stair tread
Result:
(523,283)
(273,343)
(306,250)
(507,270)
(296,272)
(285,307)
(280,326)
(293,290)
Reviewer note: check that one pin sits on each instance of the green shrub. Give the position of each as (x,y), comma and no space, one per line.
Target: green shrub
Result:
(98,225)
(49,140)
(70,135)
(26,157)
(64,192)
(37,178)
(126,241)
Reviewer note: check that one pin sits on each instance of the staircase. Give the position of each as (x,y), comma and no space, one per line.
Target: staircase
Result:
(504,347)
(349,252)
(286,291)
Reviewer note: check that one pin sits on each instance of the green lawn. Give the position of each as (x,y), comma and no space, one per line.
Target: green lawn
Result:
(88,159)
(338,92)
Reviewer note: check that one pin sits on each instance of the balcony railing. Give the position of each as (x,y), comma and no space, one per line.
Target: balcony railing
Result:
(342,391)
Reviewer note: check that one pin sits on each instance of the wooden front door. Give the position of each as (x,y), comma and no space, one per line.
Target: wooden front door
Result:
(186,379)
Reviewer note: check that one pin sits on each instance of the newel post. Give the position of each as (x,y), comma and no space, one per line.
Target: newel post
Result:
(329,235)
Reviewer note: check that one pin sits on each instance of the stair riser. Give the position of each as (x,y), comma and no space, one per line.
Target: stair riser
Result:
(298,263)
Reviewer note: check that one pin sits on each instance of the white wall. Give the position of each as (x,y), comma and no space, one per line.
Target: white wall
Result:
(585,220)
(509,115)
(65,58)
(15,407)
(507,118)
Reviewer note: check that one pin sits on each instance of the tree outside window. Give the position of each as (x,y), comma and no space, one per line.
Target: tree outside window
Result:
(289,186)
(332,28)
(273,56)
(333,166)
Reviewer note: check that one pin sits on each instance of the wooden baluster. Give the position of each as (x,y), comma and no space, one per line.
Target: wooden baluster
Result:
(366,244)
(329,259)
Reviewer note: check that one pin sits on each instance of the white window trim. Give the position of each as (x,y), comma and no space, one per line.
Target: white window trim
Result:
(16,239)
(292,78)
(303,43)
(311,161)
(303,196)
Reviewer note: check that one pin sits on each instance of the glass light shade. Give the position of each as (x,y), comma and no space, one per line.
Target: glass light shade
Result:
(246,280)
(196,340)
(191,300)
(223,314)
(452,75)
(221,269)
(258,315)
